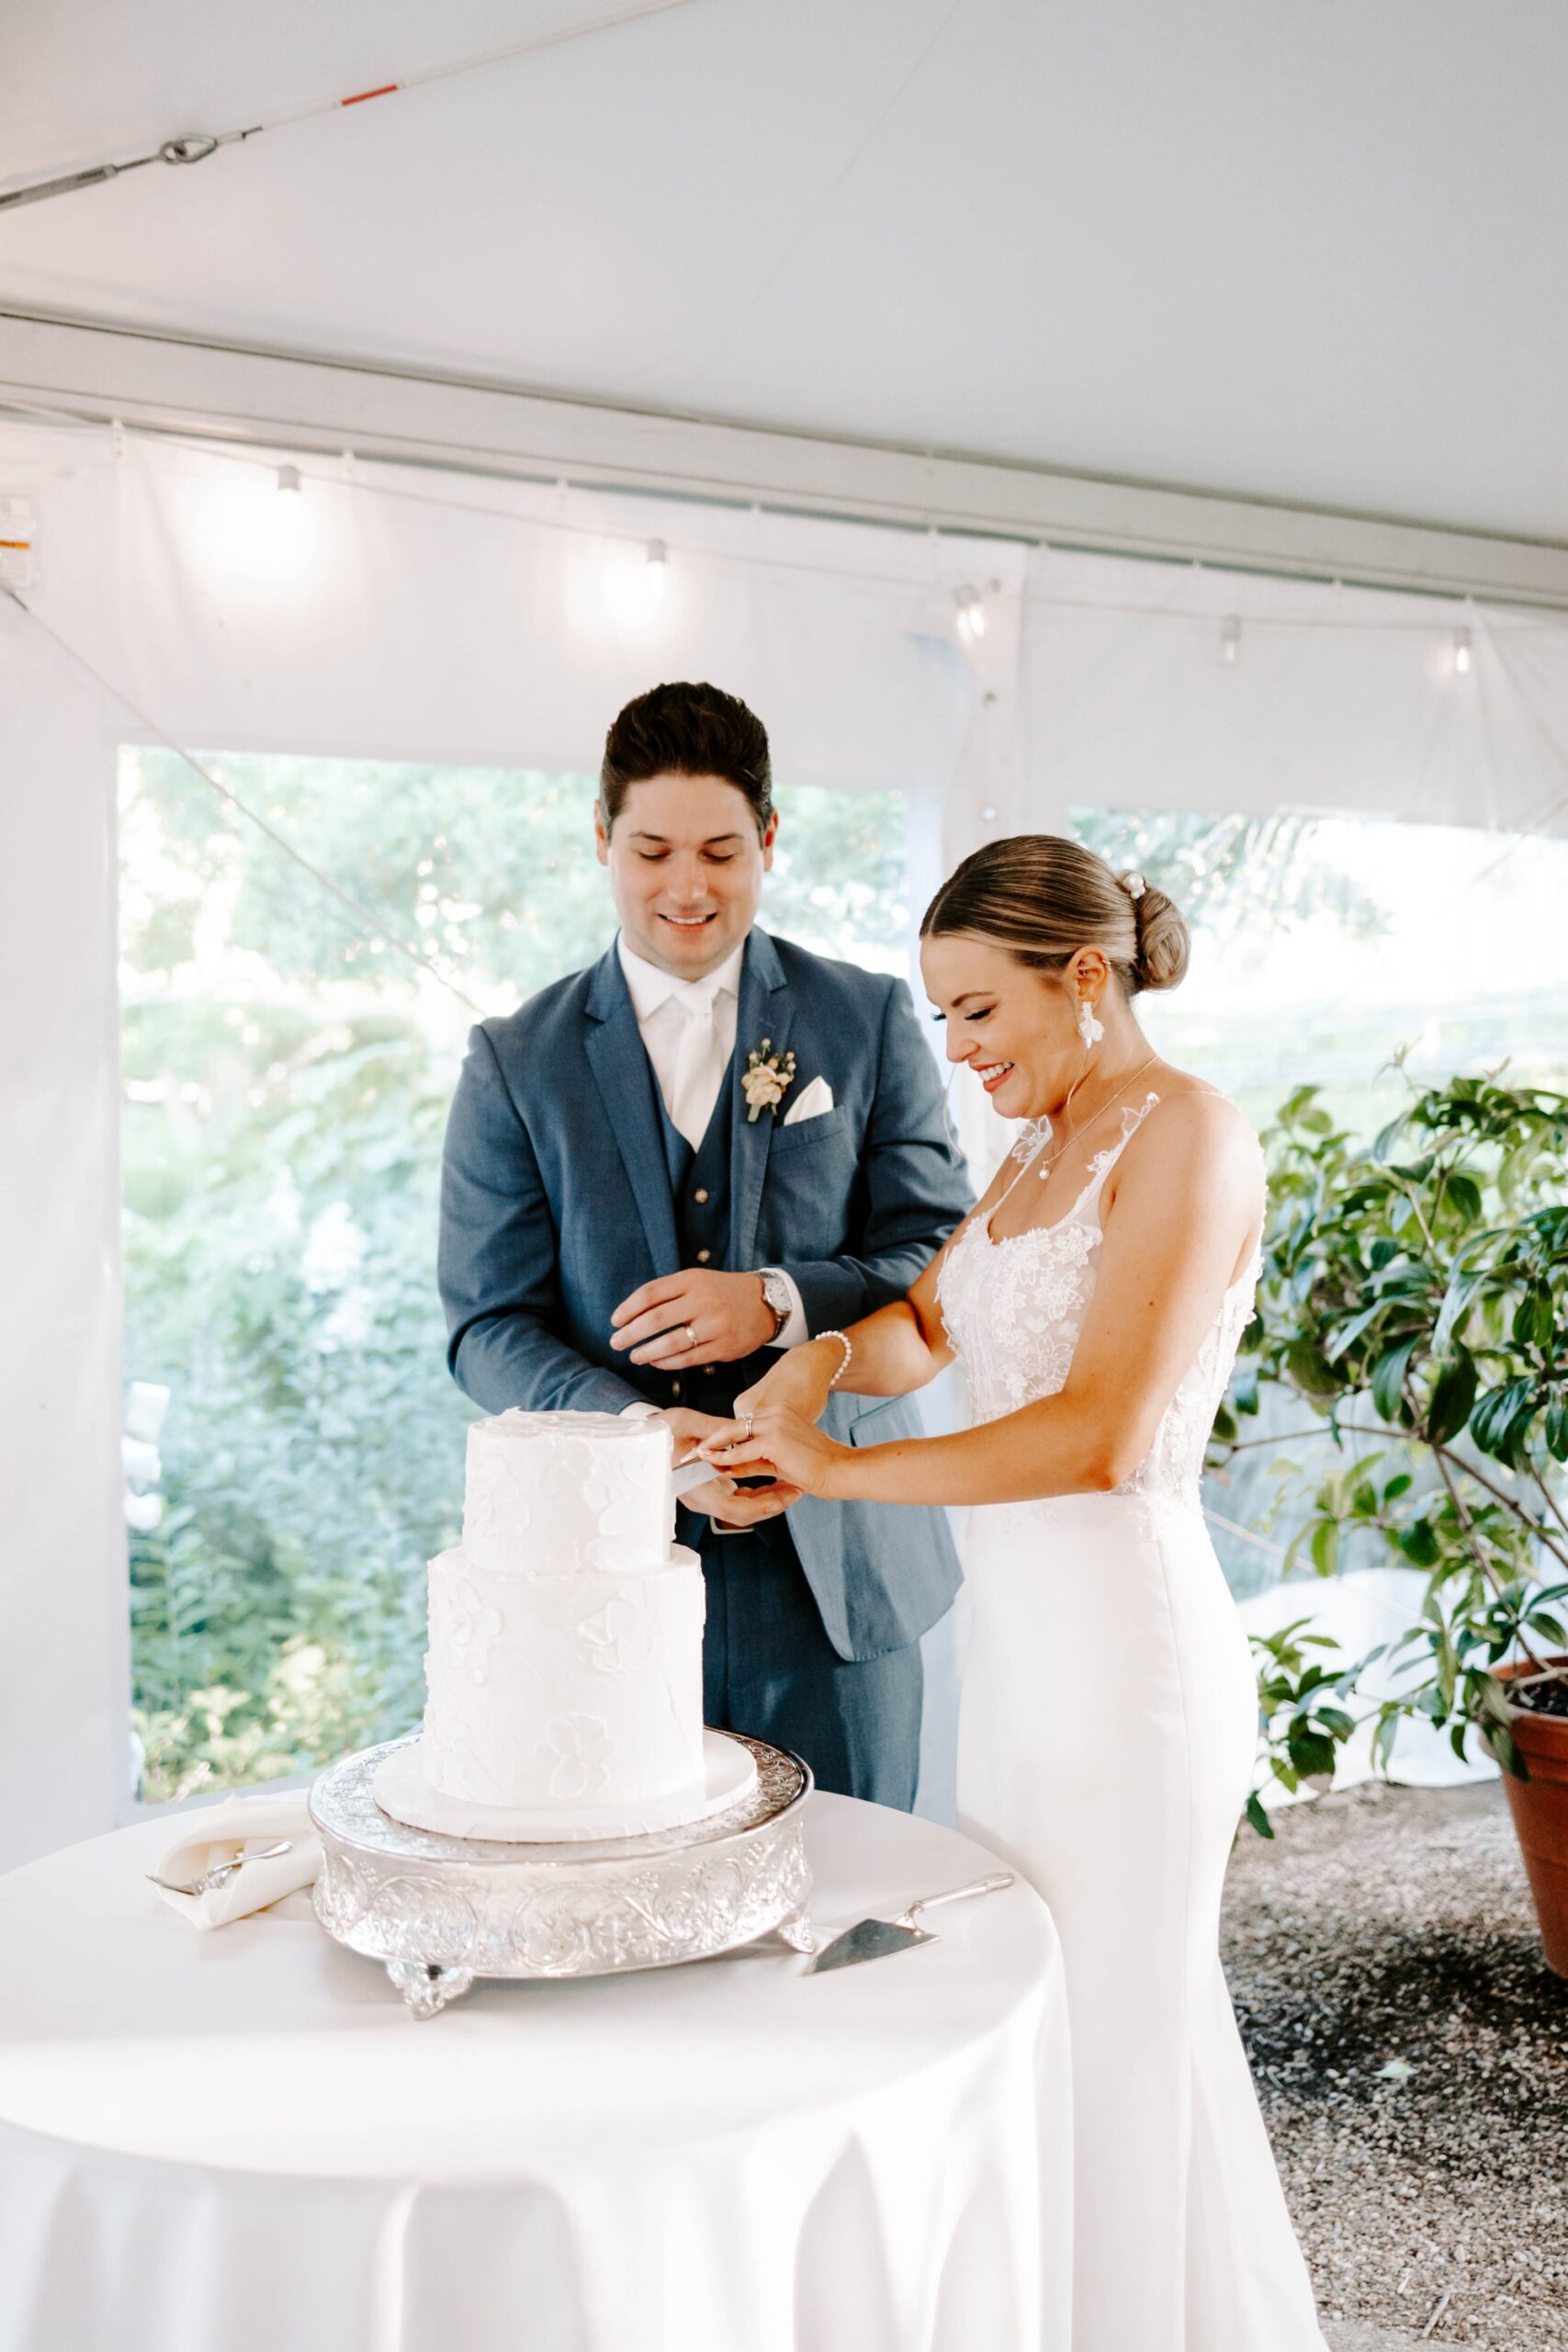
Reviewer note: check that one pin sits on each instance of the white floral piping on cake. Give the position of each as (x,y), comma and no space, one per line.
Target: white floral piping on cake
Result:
(618,1490)
(618,1638)
(473,1627)
(582,1748)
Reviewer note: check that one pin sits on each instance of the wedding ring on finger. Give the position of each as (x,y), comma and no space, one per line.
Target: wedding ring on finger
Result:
(691,1337)
(745,1422)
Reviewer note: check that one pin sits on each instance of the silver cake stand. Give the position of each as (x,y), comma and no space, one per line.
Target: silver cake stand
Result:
(439,1911)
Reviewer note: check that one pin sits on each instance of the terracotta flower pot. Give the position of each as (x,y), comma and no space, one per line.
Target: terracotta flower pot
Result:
(1540,1807)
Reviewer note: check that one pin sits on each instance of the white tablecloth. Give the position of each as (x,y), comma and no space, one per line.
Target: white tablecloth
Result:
(243,2142)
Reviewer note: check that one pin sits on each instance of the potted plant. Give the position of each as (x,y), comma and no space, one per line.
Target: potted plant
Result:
(1415,1302)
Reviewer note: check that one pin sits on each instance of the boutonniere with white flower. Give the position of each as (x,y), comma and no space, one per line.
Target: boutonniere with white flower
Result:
(767,1079)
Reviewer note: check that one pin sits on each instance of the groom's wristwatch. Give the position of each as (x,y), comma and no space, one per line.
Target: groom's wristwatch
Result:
(778,1299)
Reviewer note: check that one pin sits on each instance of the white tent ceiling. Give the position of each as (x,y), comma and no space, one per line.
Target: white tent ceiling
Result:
(1299,253)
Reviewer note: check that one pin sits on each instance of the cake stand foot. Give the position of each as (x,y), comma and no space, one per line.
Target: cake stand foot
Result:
(797,1932)
(426,1987)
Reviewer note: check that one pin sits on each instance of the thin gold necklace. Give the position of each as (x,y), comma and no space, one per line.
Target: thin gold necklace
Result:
(1089,1123)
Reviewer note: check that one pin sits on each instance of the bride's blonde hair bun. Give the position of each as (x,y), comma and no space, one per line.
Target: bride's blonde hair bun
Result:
(1165,943)
(1043,898)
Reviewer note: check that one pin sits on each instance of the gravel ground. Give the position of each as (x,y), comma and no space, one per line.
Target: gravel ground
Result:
(1411,2051)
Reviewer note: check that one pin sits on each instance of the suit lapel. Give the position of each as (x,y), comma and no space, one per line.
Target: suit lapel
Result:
(619,1062)
(766,1010)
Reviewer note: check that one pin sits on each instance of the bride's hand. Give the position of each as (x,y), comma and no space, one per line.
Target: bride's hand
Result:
(800,1379)
(782,1441)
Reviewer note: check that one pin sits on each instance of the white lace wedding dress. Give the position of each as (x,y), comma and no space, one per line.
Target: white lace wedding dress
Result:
(1107,1731)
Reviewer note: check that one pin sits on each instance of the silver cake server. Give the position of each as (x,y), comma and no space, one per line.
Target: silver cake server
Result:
(874,1939)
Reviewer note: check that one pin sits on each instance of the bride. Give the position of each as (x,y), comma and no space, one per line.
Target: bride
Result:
(1109,1717)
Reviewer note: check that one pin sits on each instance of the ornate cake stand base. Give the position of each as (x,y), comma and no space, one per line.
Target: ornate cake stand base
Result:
(439,1911)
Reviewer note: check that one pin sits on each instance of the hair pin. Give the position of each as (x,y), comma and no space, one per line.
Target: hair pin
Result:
(1135,885)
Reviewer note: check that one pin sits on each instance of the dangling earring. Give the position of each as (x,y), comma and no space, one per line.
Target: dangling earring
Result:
(1090,1030)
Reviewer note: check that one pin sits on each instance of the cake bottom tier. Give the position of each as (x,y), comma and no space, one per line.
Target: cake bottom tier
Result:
(556,1693)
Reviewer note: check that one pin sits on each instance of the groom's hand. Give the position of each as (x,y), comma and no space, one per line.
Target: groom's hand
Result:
(697,1316)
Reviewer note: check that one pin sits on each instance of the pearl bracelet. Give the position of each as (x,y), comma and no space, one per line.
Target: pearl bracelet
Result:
(848,1354)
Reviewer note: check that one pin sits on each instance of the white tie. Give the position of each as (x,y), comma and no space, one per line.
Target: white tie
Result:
(700,1063)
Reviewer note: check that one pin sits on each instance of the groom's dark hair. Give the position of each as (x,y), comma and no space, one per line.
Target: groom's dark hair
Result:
(687,730)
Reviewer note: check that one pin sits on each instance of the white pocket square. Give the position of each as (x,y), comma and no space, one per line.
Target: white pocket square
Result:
(811,1102)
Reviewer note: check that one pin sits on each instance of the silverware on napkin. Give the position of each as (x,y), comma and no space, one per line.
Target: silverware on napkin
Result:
(874,1939)
(223,1871)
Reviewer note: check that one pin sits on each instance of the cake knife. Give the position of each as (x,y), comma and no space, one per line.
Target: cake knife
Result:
(874,1939)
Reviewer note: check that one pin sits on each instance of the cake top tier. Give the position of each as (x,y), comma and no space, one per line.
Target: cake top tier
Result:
(555,1494)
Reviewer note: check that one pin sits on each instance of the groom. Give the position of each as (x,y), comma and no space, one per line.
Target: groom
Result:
(631,1223)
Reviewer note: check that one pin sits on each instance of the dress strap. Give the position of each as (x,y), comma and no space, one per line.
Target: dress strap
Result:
(1101,1166)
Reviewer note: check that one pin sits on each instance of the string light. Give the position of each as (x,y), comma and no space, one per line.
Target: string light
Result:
(1230,639)
(658,569)
(971,614)
(1462,651)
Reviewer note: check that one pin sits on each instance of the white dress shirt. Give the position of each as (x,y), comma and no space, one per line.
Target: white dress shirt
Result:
(688,1029)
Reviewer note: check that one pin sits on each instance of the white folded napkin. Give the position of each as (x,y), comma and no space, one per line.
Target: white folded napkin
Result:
(241,1824)
(811,1102)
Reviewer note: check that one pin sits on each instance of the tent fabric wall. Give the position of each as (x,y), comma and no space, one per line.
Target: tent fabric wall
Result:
(394,613)
(1331,698)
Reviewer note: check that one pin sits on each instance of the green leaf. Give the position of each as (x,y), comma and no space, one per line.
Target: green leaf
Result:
(1312,1754)
(1383,1738)
(1308,1368)
(1533,1318)
(1259,1818)
(1419,1543)
(1453,1395)
(1464,1193)
(1463,1283)
(1324,1546)
(1499,1420)
(1557,1428)
(1342,1340)
(1500,1740)
(1388,1376)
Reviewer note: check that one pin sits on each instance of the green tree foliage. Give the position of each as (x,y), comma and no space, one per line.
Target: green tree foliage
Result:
(1221,870)
(286,1074)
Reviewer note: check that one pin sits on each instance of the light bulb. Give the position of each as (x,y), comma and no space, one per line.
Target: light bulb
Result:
(971,612)
(288,478)
(1230,641)
(658,568)
(1462,651)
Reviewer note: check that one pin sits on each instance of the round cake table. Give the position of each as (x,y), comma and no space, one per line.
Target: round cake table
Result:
(240,2142)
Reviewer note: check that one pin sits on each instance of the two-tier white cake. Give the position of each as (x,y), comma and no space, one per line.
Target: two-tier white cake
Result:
(564,1673)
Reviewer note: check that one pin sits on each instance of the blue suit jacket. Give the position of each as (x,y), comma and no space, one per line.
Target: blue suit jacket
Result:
(556,1205)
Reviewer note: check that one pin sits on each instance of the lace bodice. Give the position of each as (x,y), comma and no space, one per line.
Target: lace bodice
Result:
(1014,1309)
